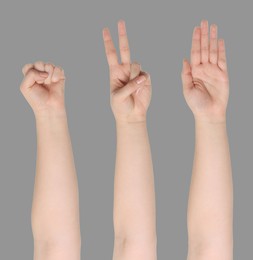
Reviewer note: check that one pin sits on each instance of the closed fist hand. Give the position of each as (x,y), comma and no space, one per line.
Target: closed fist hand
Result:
(43,88)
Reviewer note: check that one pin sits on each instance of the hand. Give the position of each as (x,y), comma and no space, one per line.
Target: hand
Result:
(130,88)
(43,88)
(205,80)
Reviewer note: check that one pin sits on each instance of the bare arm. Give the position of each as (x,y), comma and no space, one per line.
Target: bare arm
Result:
(55,208)
(210,199)
(210,206)
(134,194)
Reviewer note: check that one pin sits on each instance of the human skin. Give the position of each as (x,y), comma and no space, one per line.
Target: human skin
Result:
(134,195)
(55,206)
(206,91)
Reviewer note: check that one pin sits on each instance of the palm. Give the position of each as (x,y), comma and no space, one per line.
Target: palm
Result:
(119,75)
(206,85)
(210,87)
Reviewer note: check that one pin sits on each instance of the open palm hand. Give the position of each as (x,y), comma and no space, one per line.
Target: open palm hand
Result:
(205,80)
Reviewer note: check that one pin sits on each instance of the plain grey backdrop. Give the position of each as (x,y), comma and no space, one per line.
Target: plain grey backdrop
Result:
(69,34)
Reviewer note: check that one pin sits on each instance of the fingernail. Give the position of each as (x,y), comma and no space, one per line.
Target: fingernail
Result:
(140,79)
(43,74)
(138,91)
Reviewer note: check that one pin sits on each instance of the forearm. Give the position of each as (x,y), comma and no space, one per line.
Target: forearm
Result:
(55,209)
(134,194)
(210,208)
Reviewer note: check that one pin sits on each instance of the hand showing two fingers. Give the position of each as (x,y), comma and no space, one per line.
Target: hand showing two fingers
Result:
(130,87)
(43,87)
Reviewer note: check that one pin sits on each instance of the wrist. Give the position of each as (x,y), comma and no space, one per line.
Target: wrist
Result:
(131,124)
(217,120)
(50,114)
(203,126)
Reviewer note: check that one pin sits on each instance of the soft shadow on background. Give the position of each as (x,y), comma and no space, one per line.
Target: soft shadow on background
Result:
(69,34)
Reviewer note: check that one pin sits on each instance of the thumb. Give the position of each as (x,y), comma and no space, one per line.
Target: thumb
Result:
(131,86)
(186,75)
(33,76)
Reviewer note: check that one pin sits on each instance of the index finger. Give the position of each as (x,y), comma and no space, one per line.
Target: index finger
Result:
(33,76)
(26,68)
(195,51)
(110,50)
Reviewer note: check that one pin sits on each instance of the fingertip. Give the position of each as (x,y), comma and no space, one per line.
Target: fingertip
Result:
(221,41)
(196,32)
(121,22)
(204,23)
(146,75)
(141,79)
(213,31)
(106,33)
(122,27)
(105,29)
(221,44)
(185,62)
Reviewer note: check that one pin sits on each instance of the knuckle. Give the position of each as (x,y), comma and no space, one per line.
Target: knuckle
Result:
(124,48)
(213,51)
(25,67)
(222,61)
(39,64)
(195,52)
(204,48)
(30,73)
(49,66)
(111,52)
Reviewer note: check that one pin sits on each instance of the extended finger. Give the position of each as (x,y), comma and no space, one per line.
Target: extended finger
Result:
(123,43)
(213,56)
(195,51)
(204,42)
(33,76)
(222,60)
(110,50)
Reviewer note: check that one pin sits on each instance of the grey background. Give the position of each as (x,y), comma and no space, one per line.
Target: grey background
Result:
(68,33)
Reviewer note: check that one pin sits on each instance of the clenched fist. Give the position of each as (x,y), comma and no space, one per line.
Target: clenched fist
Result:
(43,88)
(205,80)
